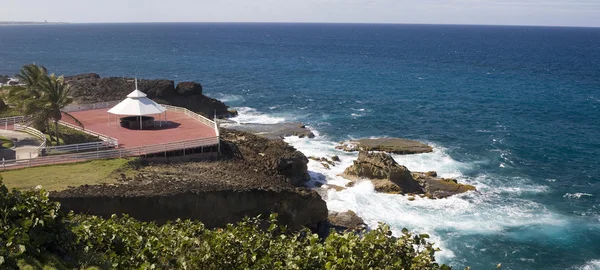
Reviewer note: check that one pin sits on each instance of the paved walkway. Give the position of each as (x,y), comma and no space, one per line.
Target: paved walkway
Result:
(26,143)
(180,128)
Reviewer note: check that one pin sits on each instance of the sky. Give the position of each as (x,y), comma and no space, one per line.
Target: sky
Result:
(497,12)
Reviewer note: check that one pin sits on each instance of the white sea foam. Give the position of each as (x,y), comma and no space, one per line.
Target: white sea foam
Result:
(577,195)
(495,209)
(591,265)
(247,115)
(228,98)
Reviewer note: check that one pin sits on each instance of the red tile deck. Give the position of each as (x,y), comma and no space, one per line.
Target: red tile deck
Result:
(180,128)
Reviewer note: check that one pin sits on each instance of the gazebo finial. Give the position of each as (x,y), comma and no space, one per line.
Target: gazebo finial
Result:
(136,84)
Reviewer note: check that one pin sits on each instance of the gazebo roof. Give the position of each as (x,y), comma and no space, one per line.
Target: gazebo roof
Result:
(137,103)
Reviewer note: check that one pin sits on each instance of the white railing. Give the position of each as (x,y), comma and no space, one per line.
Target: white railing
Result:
(34,132)
(91,106)
(91,146)
(191,114)
(112,141)
(5,122)
(116,153)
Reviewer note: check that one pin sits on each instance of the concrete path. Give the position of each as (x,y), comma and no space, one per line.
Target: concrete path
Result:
(25,145)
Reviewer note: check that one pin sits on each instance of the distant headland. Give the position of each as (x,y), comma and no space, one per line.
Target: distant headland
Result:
(2,23)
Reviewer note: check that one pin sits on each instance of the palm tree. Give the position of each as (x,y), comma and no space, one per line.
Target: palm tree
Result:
(43,98)
(31,76)
(23,97)
(55,96)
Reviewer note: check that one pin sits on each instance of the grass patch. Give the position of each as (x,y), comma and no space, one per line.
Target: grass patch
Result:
(60,177)
(6,143)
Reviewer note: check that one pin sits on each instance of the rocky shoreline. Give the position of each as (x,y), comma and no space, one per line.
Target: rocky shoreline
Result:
(258,173)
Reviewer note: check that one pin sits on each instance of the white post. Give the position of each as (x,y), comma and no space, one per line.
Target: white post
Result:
(3,164)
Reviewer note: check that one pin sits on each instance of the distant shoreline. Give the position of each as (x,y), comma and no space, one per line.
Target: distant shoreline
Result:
(31,23)
(296,23)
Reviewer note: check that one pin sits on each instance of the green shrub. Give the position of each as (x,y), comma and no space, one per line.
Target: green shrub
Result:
(32,226)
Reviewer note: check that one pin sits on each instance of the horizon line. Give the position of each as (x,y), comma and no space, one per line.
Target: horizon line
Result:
(24,23)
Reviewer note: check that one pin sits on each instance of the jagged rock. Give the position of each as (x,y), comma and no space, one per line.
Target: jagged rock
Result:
(383,167)
(189,88)
(386,186)
(440,187)
(389,177)
(388,145)
(336,187)
(431,173)
(336,158)
(326,166)
(330,162)
(346,221)
(350,184)
(278,156)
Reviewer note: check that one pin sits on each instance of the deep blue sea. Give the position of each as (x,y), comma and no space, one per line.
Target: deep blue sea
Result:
(514,111)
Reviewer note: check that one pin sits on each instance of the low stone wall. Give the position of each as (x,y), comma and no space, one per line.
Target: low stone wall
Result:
(214,209)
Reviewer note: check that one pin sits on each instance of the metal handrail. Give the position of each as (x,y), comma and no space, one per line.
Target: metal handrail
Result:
(11,121)
(79,147)
(115,153)
(108,139)
(191,114)
(34,132)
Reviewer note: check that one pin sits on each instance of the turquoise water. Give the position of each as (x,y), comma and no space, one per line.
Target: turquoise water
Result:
(514,111)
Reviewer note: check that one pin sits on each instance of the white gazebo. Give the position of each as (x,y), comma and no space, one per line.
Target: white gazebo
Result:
(137,104)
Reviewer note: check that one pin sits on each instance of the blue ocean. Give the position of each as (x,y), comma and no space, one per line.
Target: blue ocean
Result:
(514,111)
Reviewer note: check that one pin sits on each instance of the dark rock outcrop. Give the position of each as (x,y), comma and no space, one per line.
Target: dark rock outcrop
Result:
(390,177)
(91,88)
(440,187)
(273,157)
(381,166)
(388,145)
(189,88)
(4,79)
(346,221)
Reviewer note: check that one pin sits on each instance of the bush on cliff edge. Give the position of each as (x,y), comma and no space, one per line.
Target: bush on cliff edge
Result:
(31,226)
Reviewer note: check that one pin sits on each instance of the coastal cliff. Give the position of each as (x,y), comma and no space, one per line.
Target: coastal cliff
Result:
(255,176)
(214,208)
(91,88)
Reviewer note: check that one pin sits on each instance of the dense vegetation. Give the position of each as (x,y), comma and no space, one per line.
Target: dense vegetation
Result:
(33,229)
